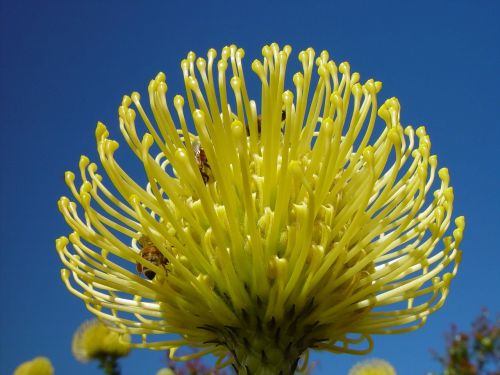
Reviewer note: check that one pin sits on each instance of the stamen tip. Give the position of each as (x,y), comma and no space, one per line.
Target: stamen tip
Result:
(61,243)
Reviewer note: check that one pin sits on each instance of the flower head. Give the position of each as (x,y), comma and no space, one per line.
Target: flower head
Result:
(37,366)
(294,221)
(373,367)
(94,340)
(166,371)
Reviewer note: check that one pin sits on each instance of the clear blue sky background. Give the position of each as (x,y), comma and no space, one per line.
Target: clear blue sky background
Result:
(66,64)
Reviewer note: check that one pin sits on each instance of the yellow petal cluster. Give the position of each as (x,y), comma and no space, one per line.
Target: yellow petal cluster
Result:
(306,217)
(373,367)
(94,340)
(37,366)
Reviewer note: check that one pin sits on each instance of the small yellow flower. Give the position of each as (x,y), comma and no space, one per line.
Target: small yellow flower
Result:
(165,371)
(94,340)
(37,366)
(373,367)
(296,220)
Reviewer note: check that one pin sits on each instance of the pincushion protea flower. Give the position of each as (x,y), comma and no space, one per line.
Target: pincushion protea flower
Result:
(301,224)
(37,366)
(94,340)
(373,367)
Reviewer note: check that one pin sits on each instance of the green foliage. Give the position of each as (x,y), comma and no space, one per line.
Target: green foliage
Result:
(476,352)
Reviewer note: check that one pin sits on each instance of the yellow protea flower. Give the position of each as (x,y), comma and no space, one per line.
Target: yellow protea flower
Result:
(282,224)
(373,367)
(94,340)
(166,371)
(37,366)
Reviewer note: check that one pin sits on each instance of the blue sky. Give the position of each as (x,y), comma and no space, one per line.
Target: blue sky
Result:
(66,64)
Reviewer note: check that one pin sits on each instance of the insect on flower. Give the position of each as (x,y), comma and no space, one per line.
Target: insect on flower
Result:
(150,253)
(201,159)
(259,122)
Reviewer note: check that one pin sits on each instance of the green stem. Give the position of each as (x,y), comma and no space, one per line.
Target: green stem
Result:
(109,364)
(256,352)
(269,347)
(269,361)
